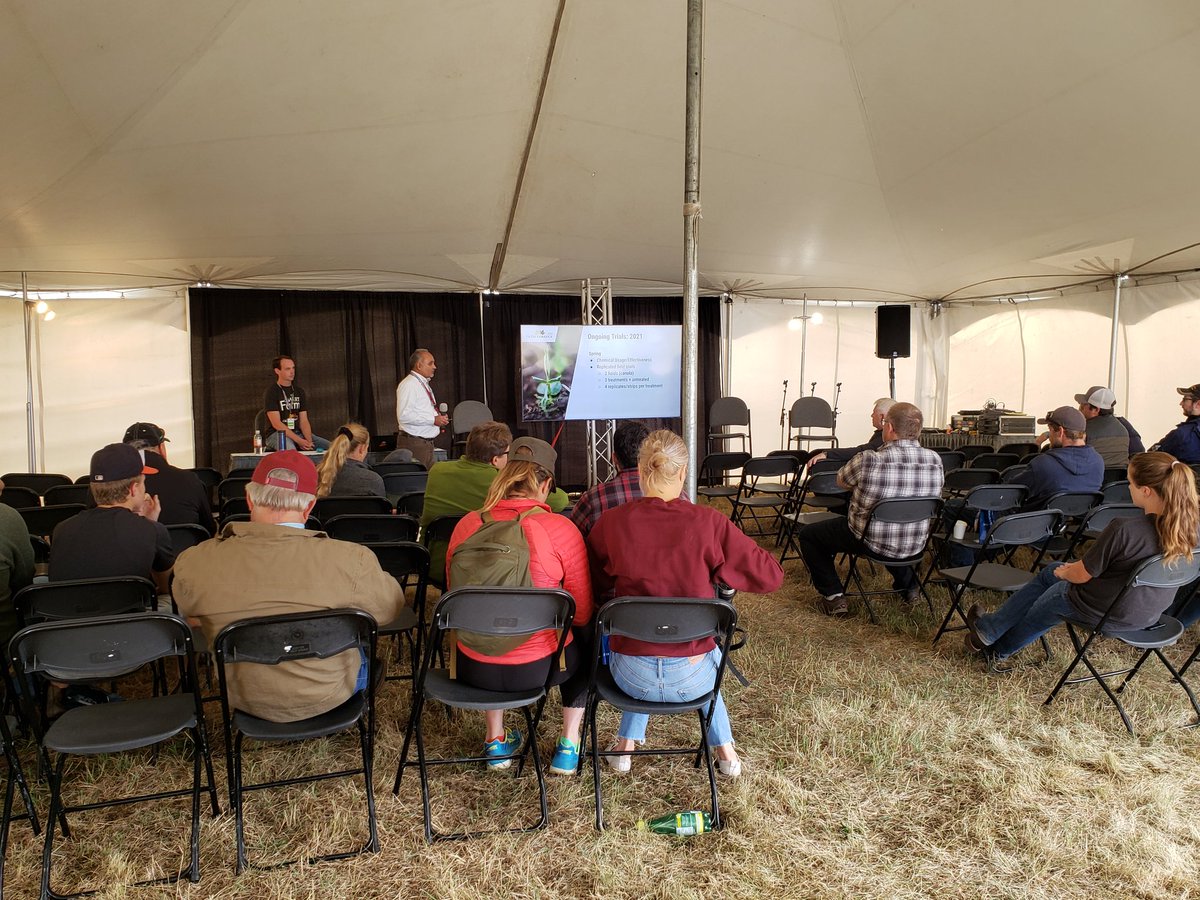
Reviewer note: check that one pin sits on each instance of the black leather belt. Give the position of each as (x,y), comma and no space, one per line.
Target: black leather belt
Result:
(415,437)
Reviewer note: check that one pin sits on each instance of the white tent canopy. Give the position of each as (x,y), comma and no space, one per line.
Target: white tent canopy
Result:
(853,150)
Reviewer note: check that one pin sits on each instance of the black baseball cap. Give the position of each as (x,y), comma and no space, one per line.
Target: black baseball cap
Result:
(117,462)
(147,434)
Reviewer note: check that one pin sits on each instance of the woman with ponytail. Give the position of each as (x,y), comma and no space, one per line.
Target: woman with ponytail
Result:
(344,471)
(664,546)
(1165,490)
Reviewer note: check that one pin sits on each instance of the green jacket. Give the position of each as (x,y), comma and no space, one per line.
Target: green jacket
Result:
(16,566)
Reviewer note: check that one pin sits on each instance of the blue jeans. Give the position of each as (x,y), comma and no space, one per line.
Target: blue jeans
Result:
(273,439)
(669,679)
(1027,614)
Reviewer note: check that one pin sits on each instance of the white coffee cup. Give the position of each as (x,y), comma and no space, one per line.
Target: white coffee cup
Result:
(960,529)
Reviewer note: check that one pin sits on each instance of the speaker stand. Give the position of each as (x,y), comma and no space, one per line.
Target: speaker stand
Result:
(892,376)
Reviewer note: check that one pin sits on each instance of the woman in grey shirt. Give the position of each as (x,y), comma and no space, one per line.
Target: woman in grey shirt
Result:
(343,472)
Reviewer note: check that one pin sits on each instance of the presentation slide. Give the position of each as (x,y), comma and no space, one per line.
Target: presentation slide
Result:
(600,372)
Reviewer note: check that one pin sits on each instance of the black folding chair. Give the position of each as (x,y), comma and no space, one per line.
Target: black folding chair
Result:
(1115,473)
(725,412)
(210,478)
(408,563)
(996,499)
(998,461)
(1165,632)
(819,492)
(1008,532)
(410,504)
(909,511)
(61,494)
(757,491)
(970,451)
(398,483)
(43,520)
(507,612)
(330,507)
(373,528)
(960,481)
(270,641)
(1096,520)
(38,482)
(186,536)
(951,459)
(14,781)
(232,487)
(437,532)
(20,497)
(1074,505)
(1116,492)
(714,470)
(105,648)
(660,620)
(83,598)
(233,507)
(392,468)
(1012,473)
(1021,449)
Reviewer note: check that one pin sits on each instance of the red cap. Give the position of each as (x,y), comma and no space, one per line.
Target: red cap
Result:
(289,469)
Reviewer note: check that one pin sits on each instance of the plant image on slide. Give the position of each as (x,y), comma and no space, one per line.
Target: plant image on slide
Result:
(546,372)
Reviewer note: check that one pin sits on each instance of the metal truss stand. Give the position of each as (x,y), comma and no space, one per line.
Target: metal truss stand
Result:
(597,310)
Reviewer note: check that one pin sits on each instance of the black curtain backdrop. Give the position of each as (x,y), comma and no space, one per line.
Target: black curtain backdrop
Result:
(351,349)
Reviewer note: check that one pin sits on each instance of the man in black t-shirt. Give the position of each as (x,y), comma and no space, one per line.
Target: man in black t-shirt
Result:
(287,411)
(183,496)
(122,535)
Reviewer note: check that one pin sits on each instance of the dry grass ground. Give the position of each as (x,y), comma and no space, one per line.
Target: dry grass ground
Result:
(875,767)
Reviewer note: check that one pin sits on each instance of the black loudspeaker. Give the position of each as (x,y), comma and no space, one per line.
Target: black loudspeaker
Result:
(892,331)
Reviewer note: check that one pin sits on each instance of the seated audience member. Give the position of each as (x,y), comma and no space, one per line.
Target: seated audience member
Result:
(16,565)
(183,496)
(662,545)
(557,559)
(1183,441)
(343,471)
(122,534)
(627,441)
(272,566)
(457,486)
(1165,489)
(900,468)
(845,454)
(1106,433)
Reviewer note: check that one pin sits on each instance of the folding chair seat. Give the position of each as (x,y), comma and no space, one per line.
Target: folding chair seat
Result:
(1116,491)
(270,641)
(753,493)
(374,528)
(105,648)
(1010,533)
(898,511)
(658,620)
(506,612)
(819,492)
(727,412)
(1164,633)
(998,461)
(392,468)
(61,494)
(330,507)
(38,482)
(714,469)
(186,536)
(20,497)
(436,539)
(408,563)
(43,520)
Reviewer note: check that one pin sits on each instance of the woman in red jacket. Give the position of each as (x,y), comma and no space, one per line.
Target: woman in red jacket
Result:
(557,559)
(664,546)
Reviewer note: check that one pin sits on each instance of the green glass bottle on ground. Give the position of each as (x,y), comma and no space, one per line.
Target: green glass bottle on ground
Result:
(684,824)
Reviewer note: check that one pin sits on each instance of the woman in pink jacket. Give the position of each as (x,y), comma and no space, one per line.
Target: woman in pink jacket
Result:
(557,559)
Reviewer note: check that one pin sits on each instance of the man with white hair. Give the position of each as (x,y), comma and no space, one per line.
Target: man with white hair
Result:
(845,454)
(271,566)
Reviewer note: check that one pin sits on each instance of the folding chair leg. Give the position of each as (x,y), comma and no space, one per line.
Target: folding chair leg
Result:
(590,717)
(956,596)
(367,744)
(1177,676)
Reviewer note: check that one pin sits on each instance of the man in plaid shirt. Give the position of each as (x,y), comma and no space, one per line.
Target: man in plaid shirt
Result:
(900,468)
(627,441)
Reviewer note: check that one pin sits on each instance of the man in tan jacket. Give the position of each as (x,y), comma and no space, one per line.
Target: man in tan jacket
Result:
(271,566)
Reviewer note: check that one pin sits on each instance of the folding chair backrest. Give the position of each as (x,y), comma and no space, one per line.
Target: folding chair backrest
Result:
(84,598)
(328,507)
(270,640)
(1114,473)
(184,537)
(1099,517)
(1116,492)
(439,530)
(405,482)
(996,497)
(906,510)
(231,487)
(810,412)
(20,497)
(234,506)
(970,451)
(68,493)
(825,465)
(1024,528)
(1154,572)
(100,648)
(796,453)
(823,484)
(373,529)
(667,620)
(728,411)
(952,459)
(43,520)
(467,414)
(1021,449)
(39,482)
(1012,473)
(504,611)
(1074,504)
(392,468)
(770,467)
(957,480)
(402,558)
(1000,461)
(410,503)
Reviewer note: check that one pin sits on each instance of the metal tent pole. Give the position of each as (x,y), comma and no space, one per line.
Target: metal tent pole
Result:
(28,323)
(691,227)
(1116,328)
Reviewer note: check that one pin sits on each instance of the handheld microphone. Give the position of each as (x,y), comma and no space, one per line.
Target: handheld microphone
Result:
(442,408)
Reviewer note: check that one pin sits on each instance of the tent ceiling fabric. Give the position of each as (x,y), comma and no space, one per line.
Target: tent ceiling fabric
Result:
(851,148)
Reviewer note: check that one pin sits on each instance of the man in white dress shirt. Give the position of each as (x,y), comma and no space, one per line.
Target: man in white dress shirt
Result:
(418,419)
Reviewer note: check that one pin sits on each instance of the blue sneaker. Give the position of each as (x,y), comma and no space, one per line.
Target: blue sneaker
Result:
(506,746)
(566,757)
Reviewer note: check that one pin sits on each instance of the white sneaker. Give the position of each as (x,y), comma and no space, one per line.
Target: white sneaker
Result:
(619,762)
(730,768)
